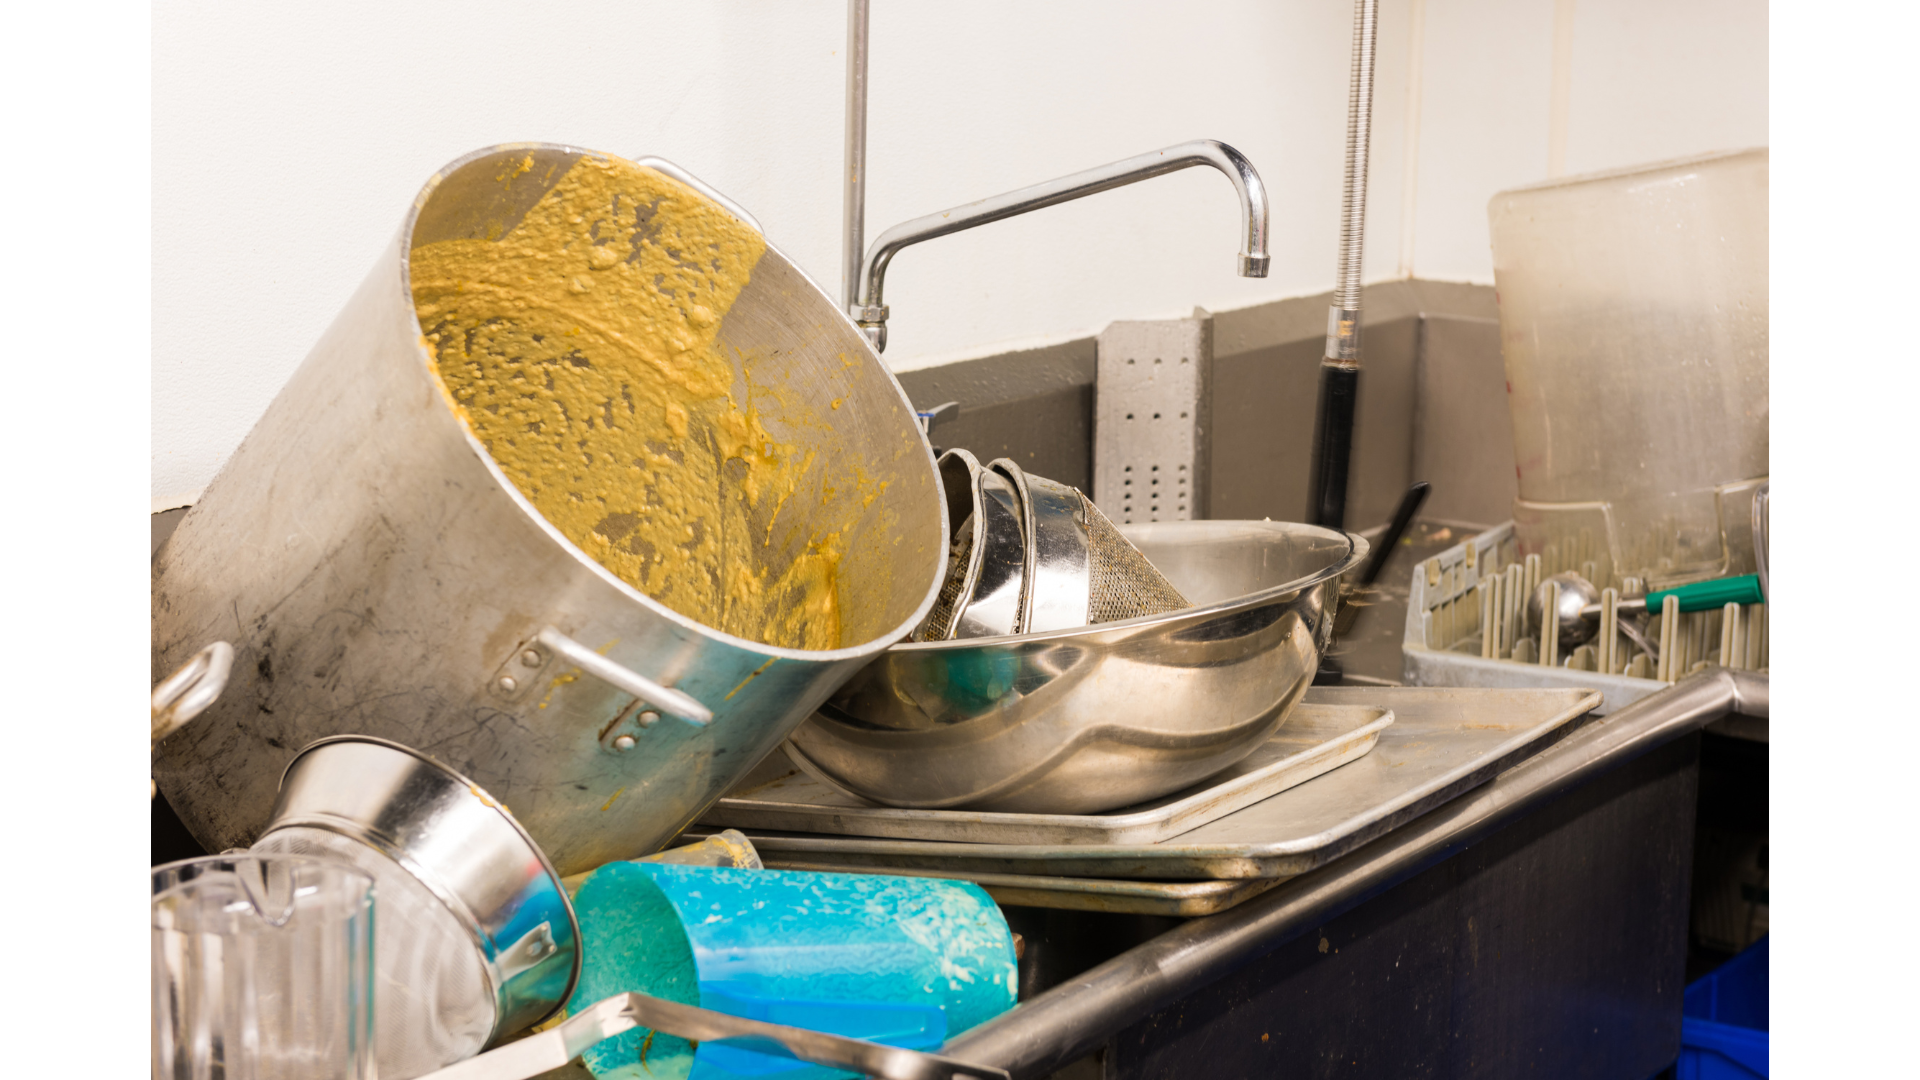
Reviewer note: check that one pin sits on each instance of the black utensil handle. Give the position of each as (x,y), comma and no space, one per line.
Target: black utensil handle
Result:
(1332,445)
(1402,517)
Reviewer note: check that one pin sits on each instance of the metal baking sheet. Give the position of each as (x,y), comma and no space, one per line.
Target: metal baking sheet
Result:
(1185,899)
(1314,740)
(1443,742)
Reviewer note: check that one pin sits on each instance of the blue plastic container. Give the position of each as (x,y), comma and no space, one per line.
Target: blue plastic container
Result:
(1723,1030)
(904,961)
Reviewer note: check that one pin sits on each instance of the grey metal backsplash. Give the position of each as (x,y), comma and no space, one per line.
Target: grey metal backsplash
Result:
(1432,406)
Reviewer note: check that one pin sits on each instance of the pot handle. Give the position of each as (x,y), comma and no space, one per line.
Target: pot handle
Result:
(184,694)
(666,699)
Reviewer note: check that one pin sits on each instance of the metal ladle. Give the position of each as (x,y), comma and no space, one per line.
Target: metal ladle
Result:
(1578,610)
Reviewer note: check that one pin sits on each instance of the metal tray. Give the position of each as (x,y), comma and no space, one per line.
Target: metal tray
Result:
(1314,740)
(1184,899)
(1443,742)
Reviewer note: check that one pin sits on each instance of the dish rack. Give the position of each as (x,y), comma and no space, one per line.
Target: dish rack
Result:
(1483,583)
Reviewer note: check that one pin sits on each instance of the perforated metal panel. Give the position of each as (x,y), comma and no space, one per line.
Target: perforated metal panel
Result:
(1152,419)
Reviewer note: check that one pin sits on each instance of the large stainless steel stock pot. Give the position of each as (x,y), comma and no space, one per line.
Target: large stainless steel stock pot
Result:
(378,573)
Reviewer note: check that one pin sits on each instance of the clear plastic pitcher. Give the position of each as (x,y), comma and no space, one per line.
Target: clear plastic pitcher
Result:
(909,962)
(1633,322)
(262,970)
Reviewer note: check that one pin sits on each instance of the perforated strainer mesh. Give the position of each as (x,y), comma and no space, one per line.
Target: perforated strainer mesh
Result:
(1122,584)
(433,1003)
(939,622)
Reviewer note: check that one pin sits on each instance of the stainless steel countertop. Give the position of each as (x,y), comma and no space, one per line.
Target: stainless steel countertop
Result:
(1066,1022)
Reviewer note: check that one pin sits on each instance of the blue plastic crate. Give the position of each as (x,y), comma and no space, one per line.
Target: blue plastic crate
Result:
(1723,1030)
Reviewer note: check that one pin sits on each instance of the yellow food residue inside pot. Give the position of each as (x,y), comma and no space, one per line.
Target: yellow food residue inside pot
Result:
(579,347)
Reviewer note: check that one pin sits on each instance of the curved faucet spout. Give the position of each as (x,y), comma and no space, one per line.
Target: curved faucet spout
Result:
(870,312)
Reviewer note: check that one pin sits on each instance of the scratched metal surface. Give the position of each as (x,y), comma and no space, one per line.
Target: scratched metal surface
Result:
(1443,742)
(378,574)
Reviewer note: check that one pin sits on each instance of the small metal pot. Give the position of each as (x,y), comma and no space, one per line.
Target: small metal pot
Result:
(398,806)
(1095,717)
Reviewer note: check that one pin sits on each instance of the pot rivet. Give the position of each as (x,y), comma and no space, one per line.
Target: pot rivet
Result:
(508,683)
(530,658)
(623,743)
(648,718)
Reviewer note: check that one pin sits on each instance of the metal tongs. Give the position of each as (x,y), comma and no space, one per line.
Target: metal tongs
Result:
(623,1012)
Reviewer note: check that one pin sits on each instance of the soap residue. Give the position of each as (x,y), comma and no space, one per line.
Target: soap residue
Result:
(579,347)
(635,943)
(805,949)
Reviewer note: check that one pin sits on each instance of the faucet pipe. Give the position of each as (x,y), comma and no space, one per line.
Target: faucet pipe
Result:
(870,312)
(1353,188)
(1340,367)
(854,207)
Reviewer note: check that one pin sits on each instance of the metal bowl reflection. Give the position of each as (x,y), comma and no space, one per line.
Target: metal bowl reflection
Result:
(1103,716)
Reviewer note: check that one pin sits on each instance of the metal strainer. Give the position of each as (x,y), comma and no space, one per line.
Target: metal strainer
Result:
(984,593)
(1031,555)
(476,937)
(1080,570)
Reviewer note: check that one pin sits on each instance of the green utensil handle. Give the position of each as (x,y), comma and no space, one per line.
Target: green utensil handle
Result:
(1709,595)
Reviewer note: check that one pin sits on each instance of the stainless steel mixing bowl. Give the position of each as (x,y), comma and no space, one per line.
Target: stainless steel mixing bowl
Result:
(1096,717)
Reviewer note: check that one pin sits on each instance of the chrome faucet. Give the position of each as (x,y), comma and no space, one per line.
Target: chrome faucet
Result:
(871,314)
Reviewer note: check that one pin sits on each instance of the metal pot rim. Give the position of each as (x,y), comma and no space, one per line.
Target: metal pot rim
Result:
(1357,548)
(399,855)
(425,356)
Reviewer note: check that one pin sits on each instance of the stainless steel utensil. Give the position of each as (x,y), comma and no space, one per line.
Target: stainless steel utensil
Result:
(379,574)
(1443,742)
(477,938)
(617,1015)
(1030,555)
(1080,570)
(1579,608)
(1360,595)
(1578,613)
(1315,740)
(985,585)
(1568,621)
(1180,899)
(1085,719)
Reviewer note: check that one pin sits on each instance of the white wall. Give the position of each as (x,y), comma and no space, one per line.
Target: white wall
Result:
(288,142)
(1642,80)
